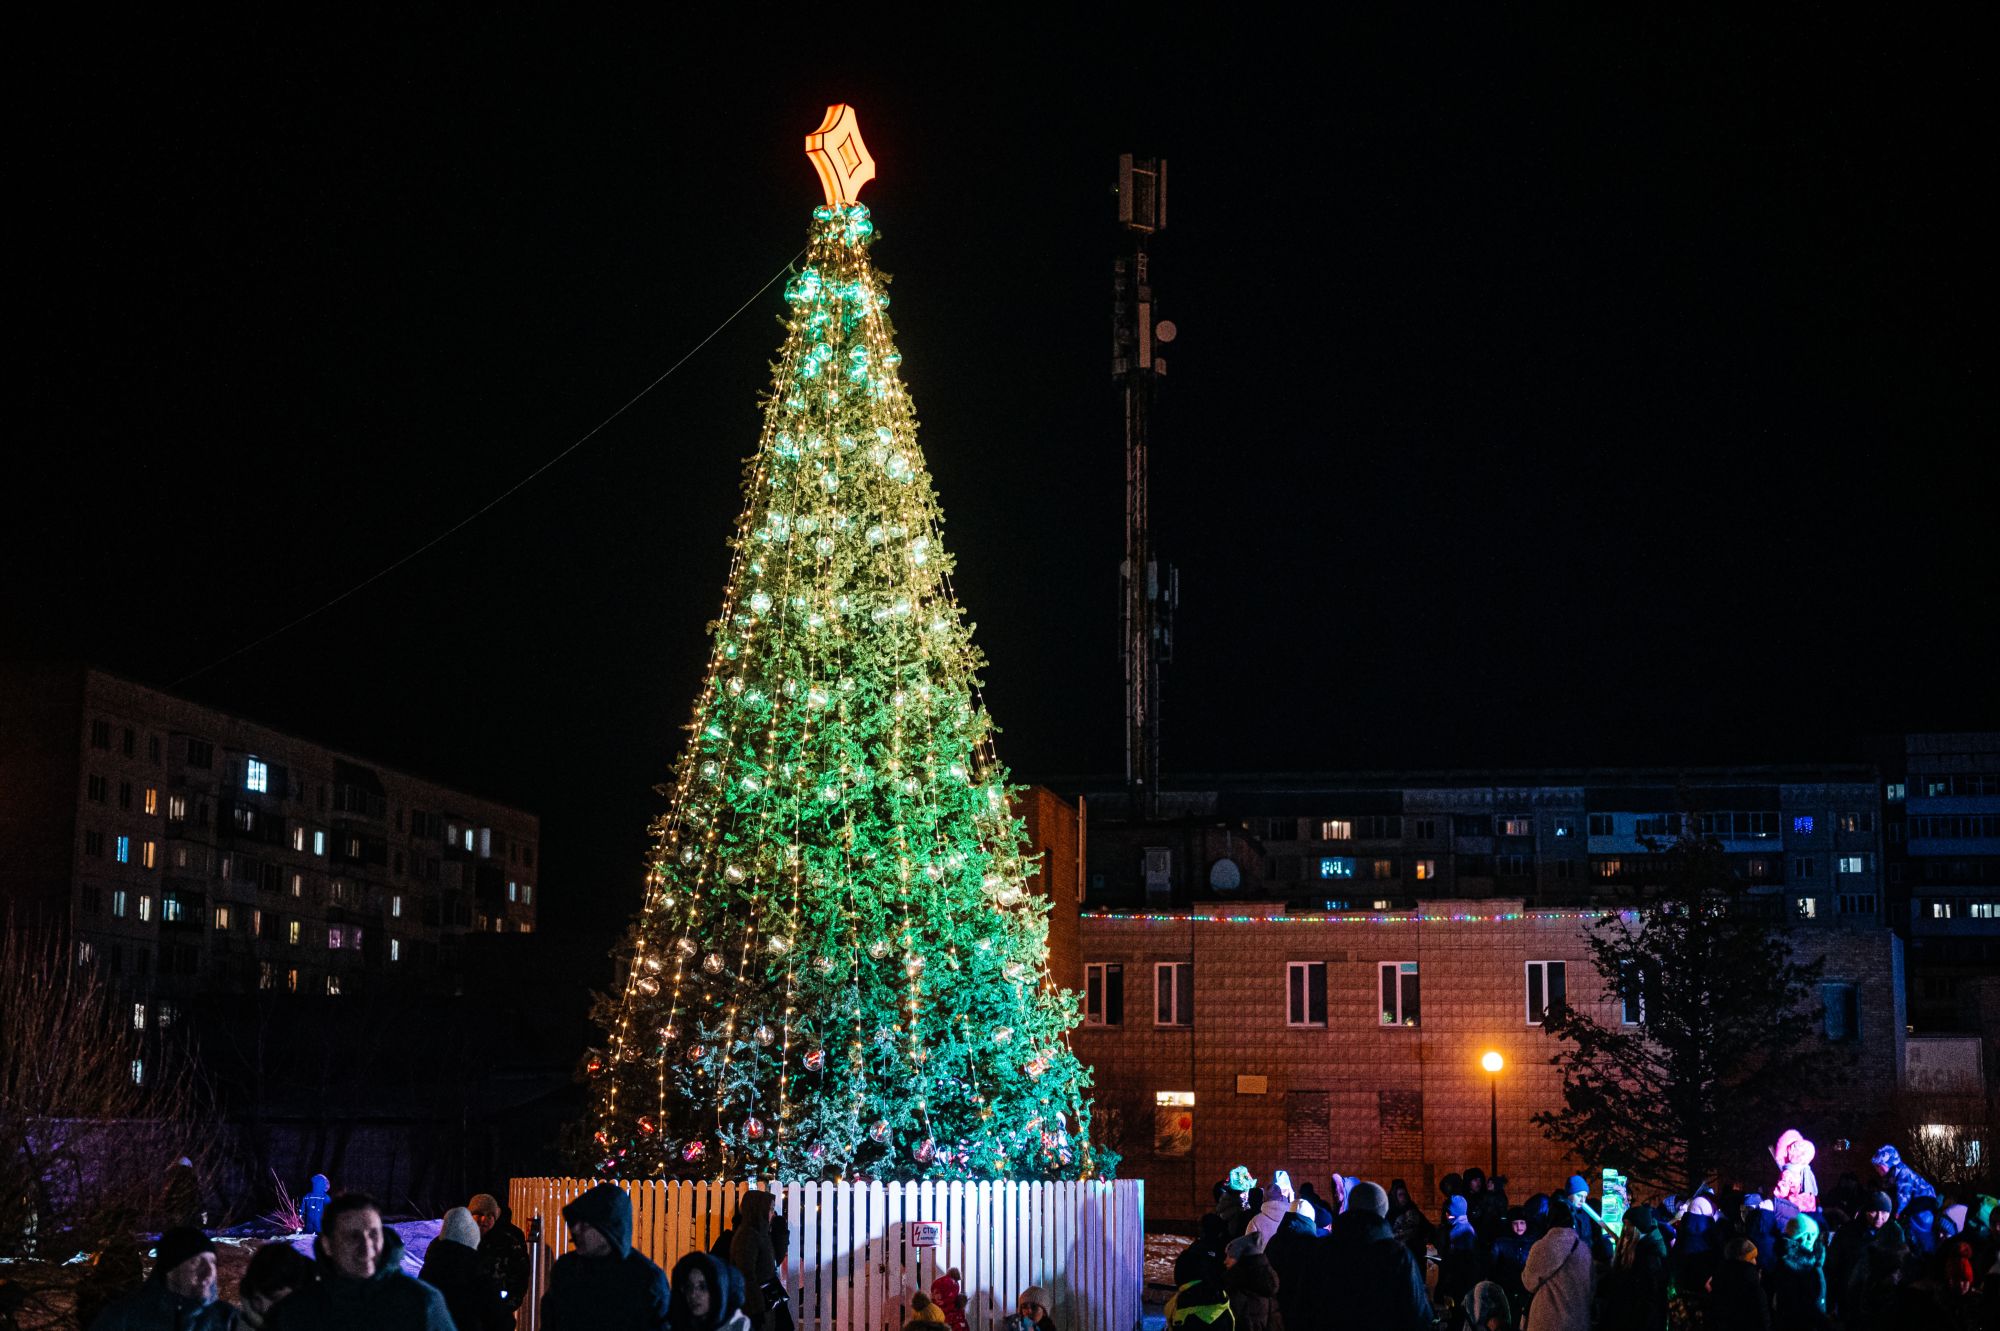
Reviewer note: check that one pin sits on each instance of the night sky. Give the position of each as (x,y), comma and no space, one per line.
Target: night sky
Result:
(1594,390)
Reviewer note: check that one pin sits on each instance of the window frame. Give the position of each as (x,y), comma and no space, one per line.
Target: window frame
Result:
(1179,995)
(1104,1013)
(1531,990)
(1313,994)
(1400,1019)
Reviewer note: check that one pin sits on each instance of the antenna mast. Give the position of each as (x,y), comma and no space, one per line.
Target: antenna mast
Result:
(1148,590)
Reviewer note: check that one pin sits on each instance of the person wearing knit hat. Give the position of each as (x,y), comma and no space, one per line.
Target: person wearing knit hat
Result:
(179,1294)
(1848,1249)
(1736,1294)
(452,1267)
(1033,1308)
(503,1254)
(1252,1284)
(1798,1281)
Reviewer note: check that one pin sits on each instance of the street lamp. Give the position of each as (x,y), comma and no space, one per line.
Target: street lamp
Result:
(1492,1062)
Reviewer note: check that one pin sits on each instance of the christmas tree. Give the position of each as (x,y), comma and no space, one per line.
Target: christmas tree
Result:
(840,968)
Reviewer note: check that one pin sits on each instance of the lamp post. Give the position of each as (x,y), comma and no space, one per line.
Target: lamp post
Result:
(1492,1062)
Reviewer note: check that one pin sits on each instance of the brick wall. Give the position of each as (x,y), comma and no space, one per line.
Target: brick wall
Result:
(1356,1095)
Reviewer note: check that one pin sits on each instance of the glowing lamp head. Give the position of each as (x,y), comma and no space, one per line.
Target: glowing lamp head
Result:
(1492,1061)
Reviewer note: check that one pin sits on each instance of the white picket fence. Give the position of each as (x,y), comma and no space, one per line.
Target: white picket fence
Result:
(852,1265)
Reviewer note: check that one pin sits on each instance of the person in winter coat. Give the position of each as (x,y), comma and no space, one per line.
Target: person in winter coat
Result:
(1485,1309)
(1252,1285)
(1898,1179)
(1405,1218)
(1798,1283)
(948,1293)
(707,1295)
(451,1267)
(503,1255)
(604,1285)
(1233,1201)
(1557,1277)
(361,1279)
(1850,1246)
(1692,1260)
(1277,1202)
(1636,1293)
(1033,1305)
(276,1272)
(1736,1294)
(179,1294)
(752,1252)
(1200,1304)
(1293,1252)
(1796,1182)
(1367,1279)
(1460,1268)
(1202,1258)
(1508,1254)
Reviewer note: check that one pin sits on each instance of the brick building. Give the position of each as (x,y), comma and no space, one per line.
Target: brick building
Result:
(189,852)
(1351,1040)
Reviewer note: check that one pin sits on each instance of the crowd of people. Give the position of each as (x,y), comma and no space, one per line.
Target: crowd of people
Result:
(475,1277)
(1884,1254)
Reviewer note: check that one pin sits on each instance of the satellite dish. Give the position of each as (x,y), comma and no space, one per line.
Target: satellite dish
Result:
(1165,331)
(1224,876)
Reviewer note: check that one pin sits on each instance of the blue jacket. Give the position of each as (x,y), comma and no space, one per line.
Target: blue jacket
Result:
(1909,1183)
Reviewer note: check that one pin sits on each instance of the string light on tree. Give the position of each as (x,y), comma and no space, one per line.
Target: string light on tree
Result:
(839,867)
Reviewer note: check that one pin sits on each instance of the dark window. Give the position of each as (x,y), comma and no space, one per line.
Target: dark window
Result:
(129,742)
(1843,1012)
(1104,994)
(1548,983)
(95,787)
(1173,993)
(100,734)
(1305,993)
(200,753)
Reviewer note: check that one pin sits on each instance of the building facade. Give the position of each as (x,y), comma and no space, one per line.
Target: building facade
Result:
(1351,1040)
(1941,813)
(185,851)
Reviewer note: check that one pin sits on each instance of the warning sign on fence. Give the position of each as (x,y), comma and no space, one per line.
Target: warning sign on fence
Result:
(926,1233)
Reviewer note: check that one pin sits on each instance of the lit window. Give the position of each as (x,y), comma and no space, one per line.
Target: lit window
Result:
(257,923)
(292,980)
(1383,869)
(138,1072)
(335,937)
(266,976)
(1984,910)
(1895,792)
(292,935)
(1548,984)
(1426,870)
(222,917)
(333,986)
(145,908)
(395,949)
(138,1016)
(1803,824)
(118,902)
(319,843)
(86,952)
(1854,863)
(298,884)
(1305,993)
(149,854)
(468,838)
(170,908)
(396,907)
(513,891)
(527,894)
(1173,993)
(1940,910)
(1857,822)
(257,775)
(1336,866)
(1337,829)
(1104,994)
(1516,827)
(152,800)
(177,808)
(1565,827)
(123,850)
(1175,1099)
(298,838)
(1806,908)
(1399,993)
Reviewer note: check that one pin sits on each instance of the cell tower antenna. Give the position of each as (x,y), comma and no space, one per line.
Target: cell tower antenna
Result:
(1149,591)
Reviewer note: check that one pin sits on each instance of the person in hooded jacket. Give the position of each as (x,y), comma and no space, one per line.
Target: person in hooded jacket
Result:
(1798,1281)
(1898,1179)
(361,1279)
(1366,1279)
(1850,1245)
(1202,1258)
(1485,1309)
(1636,1288)
(1277,1203)
(707,1295)
(1405,1218)
(1557,1277)
(1736,1293)
(452,1268)
(1461,1266)
(605,1285)
(1692,1260)
(1252,1285)
(752,1252)
(1761,1225)
(179,1293)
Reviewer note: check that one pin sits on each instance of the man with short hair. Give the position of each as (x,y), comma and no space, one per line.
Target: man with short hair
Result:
(179,1295)
(503,1253)
(361,1279)
(1367,1278)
